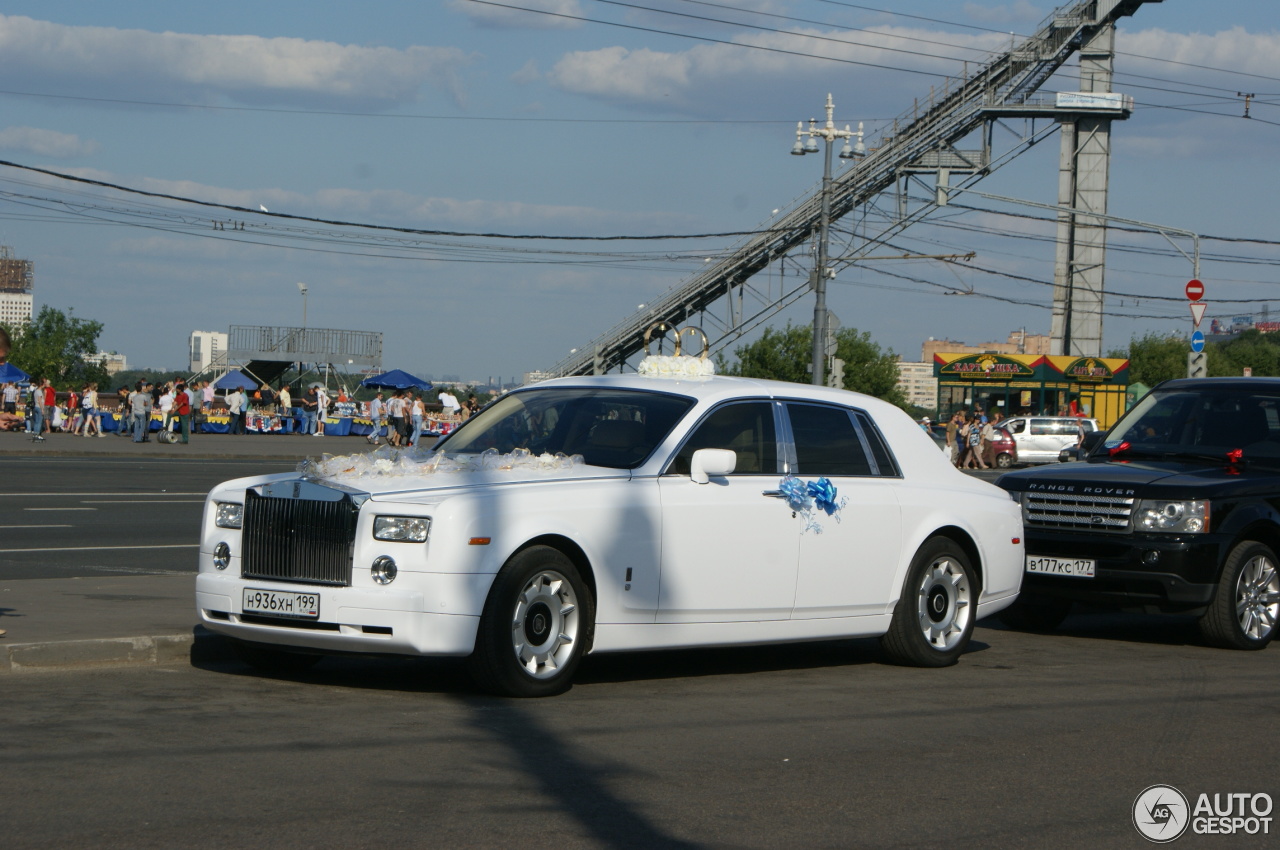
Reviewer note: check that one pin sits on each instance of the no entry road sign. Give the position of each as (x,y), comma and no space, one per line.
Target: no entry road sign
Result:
(1195,290)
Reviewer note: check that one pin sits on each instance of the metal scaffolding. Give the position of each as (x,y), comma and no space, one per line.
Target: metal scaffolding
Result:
(921,141)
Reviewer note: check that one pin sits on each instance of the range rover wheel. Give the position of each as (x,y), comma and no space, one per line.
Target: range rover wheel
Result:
(1004,460)
(933,619)
(1246,604)
(269,659)
(1035,613)
(537,622)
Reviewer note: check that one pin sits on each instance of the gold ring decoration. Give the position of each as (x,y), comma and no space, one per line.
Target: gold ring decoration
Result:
(693,330)
(664,327)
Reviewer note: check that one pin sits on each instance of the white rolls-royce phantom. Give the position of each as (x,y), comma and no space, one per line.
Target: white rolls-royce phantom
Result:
(616,513)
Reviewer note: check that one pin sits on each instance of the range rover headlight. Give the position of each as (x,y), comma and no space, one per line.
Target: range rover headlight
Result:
(229,515)
(404,529)
(1188,516)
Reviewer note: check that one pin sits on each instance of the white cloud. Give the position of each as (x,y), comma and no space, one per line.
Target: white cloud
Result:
(721,80)
(504,17)
(527,74)
(243,68)
(48,143)
(1238,49)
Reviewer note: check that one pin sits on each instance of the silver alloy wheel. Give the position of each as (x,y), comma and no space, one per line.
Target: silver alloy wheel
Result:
(1258,597)
(944,604)
(544,624)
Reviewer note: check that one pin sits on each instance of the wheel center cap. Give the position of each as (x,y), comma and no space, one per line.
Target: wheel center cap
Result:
(937,604)
(537,623)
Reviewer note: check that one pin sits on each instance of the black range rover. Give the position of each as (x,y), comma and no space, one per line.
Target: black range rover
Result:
(1176,509)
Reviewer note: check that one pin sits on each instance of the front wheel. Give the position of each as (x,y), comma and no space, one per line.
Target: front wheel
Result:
(934,618)
(536,625)
(1243,612)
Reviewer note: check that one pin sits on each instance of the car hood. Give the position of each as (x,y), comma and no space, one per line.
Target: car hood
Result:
(1142,478)
(415,479)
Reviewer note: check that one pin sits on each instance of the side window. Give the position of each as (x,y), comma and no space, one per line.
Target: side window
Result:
(826,441)
(1017,426)
(746,429)
(1041,427)
(885,464)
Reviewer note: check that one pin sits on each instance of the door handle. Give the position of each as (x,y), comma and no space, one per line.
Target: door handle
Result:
(776,494)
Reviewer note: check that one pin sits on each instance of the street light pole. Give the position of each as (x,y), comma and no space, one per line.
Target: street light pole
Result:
(302,287)
(821,272)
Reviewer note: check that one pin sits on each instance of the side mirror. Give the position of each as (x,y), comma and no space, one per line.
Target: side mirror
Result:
(709,463)
(1090,442)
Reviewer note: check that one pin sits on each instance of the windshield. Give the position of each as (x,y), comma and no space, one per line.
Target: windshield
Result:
(608,427)
(1209,422)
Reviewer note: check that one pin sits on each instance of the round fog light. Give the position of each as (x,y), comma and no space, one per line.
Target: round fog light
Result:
(221,555)
(1151,556)
(383,570)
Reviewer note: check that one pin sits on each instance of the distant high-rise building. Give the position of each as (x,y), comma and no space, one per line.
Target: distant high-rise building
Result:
(17,279)
(207,347)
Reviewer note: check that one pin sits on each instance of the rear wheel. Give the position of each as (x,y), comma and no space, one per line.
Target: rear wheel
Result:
(1004,460)
(537,623)
(1246,604)
(934,617)
(1036,613)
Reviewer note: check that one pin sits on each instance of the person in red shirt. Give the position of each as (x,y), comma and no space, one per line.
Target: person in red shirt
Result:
(182,411)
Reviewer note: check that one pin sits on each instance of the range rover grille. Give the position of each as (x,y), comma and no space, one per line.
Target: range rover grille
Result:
(1073,511)
(303,540)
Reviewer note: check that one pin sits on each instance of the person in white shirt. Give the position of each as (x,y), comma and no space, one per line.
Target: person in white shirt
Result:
(235,400)
(166,405)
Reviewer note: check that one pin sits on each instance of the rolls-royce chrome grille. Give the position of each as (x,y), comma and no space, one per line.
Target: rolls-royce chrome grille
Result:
(1072,511)
(299,531)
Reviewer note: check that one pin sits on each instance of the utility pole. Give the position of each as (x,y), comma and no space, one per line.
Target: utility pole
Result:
(821,271)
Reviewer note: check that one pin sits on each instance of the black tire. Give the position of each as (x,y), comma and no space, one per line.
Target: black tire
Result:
(538,620)
(1246,602)
(269,659)
(1004,460)
(1036,613)
(934,617)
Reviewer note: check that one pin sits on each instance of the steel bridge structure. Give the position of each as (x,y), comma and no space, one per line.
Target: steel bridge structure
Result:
(721,299)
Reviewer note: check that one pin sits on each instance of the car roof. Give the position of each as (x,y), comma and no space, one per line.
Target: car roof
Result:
(1237,383)
(722,388)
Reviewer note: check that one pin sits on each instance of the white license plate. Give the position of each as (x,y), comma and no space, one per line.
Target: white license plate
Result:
(1073,567)
(306,605)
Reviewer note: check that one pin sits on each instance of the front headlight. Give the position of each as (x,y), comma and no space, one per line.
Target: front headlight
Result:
(229,515)
(404,529)
(1189,516)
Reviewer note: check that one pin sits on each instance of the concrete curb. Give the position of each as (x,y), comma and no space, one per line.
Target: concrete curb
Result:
(143,651)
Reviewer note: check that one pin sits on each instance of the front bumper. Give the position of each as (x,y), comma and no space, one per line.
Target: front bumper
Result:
(394,622)
(1146,572)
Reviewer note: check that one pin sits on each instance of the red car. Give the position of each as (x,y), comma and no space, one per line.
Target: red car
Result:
(1003,452)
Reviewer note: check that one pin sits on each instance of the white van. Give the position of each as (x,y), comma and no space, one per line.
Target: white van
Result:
(1040,438)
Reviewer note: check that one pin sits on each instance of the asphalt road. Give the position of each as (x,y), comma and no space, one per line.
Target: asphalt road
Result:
(1030,741)
(62,517)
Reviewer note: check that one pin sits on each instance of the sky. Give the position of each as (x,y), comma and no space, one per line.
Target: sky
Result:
(582,118)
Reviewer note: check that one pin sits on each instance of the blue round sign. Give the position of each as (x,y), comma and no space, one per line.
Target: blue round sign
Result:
(1197,342)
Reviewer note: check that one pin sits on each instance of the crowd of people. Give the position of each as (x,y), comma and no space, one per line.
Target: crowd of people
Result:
(970,436)
(405,415)
(184,408)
